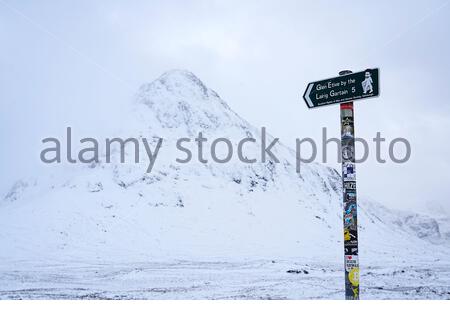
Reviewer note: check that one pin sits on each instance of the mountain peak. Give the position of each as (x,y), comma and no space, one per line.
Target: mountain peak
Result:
(181,83)
(179,74)
(179,99)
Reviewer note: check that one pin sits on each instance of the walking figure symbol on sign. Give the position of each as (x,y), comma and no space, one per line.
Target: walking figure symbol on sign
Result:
(367,83)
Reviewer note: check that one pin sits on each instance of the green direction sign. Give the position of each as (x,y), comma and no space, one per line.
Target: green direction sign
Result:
(349,87)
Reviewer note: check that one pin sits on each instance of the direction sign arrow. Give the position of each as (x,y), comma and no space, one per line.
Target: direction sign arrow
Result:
(307,94)
(345,88)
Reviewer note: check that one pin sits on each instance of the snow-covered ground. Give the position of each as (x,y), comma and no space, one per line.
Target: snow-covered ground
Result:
(111,230)
(260,279)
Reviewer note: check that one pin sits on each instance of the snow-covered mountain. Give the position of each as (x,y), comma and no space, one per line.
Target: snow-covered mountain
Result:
(113,211)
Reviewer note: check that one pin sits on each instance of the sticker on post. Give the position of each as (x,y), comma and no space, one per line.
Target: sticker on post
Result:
(348,171)
(350,185)
(351,262)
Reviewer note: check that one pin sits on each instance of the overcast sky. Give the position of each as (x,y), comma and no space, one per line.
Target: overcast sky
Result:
(79,63)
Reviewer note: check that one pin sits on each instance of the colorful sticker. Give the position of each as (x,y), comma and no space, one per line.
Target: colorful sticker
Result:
(347,131)
(348,171)
(350,237)
(353,276)
(347,235)
(347,113)
(350,185)
(352,248)
(350,197)
(348,221)
(350,208)
(355,292)
(348,153)
(351,261)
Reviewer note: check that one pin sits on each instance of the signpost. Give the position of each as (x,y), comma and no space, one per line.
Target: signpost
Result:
(344,89)
(347,87)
